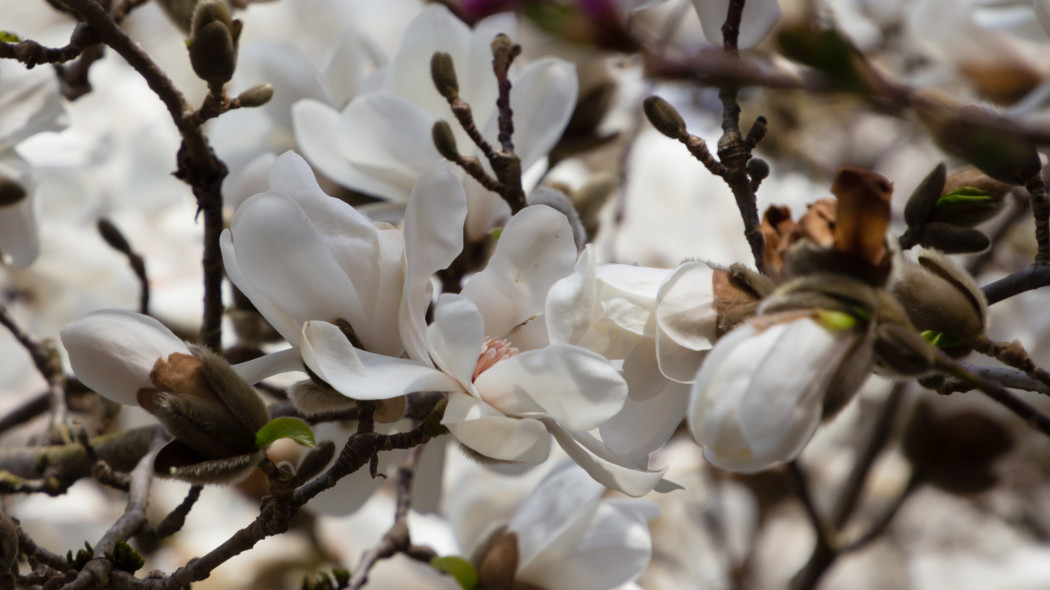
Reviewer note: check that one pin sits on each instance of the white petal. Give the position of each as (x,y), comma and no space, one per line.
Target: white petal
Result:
(561,506)
(286,325)
(615,549)
(574,385)
(543,99)
(606,468)
(113,351)
(282,254)
(758,19)
(29,105)
(491,434)
(643,426)
(455,338)
(571,301)
(282,361)
(315,124)
(435,210)
(435,29)
(359,374)
(477,80)
(353,58)
(535,250)
(387,139)
(286,67)
(687,320)
(628,295)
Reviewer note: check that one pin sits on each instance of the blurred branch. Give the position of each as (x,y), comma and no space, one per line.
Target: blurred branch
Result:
(48,363)
(1029,279)
(1030,415)
(116,240)
(31,53)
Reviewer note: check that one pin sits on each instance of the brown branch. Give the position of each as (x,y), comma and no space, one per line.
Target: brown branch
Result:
(31,53)
(397,539)
(1014,355)
(48,363)
(1041,212)
(174,521)
(997,392)
(116,240)
(1007,377)
(1029,279)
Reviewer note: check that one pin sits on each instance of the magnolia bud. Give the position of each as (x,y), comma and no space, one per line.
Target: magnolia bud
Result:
(992,143)
(11,191)
(902,351)
(970,197)
(757,168)
(113,236)
(951,239)
(315,460)
(213,45)
(924,197)
(499,563)
(390,410)
(664,117)
(940,296)
(445,140)
(256,96)
(443,72)
(313,399)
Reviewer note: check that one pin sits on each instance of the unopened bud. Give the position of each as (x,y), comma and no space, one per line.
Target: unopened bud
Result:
(213,46)
(757,169)
(443,72)
(445,140)
(313,399)
(901,351)
(11,191)
(970,197)
(315,460)
(390,410)
(664,117)
(503,48)
(256,96)
(113,236)
(951,239)
(924,197)
(499,564)
(992,143)
(940,296)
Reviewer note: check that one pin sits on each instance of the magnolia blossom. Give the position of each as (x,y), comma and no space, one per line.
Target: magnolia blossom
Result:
(299,254)
(759,396)
(112,351)
(758,19)
(381,141)
(509,385)
(28,106)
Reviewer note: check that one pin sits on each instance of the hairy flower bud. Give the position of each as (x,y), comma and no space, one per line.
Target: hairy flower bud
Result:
(443,72)
(664,117)
(951,239)
(213,45)
(445,140)
(922,200)
(256,96)
(970,197)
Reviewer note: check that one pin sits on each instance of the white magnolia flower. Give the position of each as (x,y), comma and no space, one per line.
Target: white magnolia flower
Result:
(113,351)
(759,396)
(758,19)
(381,141)
(299,254)
(509,385)
(28,106)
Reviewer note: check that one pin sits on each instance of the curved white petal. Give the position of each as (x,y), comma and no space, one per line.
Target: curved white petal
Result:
(435,29)
(535,250)
(281,253)
(113,351)
(574,385)
(353,58)
(286,325)
(455,338)
(359,374)
(543,99)
(687,320)
(315,124)
(436,210)
(628,295)
(614,549)
(388,139)
(560,508)
(571,301)
(282,361)
(758,19)
(605,467)
(645,425)
(491,434)
(286,67)
(30,105)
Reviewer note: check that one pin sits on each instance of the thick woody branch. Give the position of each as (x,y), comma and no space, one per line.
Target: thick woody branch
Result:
(31,53)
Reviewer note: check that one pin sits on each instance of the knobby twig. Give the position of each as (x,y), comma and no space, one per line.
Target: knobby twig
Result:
(31,53)
(174,521)
(197,164)
(1014,355)
(1029,279)
(1007,377)
(397,539)
(48,363)
(116,240)
(997,392)
(1041,211)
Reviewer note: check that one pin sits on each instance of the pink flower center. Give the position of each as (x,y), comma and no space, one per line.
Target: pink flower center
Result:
(493,350)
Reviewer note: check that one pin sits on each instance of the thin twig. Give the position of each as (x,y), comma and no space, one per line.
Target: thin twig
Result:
(1029,279)
(1007,377)
(116,240)
(1014,355)
(31,53)
(48,363)
(174,521)
(1041,212)
(994,390)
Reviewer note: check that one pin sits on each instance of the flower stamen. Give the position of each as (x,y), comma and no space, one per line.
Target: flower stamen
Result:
(493,350)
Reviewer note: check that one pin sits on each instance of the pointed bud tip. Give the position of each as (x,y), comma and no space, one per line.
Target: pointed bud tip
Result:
(664,117)
(445,140)
(256,96)
(443,72)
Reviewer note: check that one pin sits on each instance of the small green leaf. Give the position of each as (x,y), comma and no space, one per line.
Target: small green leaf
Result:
(9,37)
(836,321)
(941,340)
(460,569)
(964,195)
(496,233)
(278,428)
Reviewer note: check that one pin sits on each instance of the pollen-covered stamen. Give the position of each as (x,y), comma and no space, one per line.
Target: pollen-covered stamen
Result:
(493,350)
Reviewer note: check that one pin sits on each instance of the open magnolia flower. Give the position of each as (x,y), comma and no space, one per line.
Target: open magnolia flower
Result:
(744,412)
(509,386)
(381,141)
(207,405)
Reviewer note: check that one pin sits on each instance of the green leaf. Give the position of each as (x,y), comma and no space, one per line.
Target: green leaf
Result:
(278,428)
(941,340)
(457,567)
(9,37)
(836,321)
(496,233)
(964,195)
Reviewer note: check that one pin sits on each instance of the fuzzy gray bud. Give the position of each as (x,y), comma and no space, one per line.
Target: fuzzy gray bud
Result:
(445,140)
(443,72)
(664,117)
(213,45)
(256,96)
(757,169)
